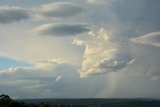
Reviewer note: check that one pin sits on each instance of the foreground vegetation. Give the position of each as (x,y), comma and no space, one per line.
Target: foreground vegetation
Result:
(6,101)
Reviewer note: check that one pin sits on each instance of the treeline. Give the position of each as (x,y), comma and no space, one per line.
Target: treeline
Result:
(6,101)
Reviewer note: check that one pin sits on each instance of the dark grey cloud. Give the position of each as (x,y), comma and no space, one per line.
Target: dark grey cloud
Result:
(114,65)
(61,29)
(60,10)
(12,14)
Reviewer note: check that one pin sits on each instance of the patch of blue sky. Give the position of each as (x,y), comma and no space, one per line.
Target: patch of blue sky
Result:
(7,63)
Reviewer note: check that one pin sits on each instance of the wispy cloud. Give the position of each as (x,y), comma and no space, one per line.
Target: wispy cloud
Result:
(100,1)
(148,39)
(59,10)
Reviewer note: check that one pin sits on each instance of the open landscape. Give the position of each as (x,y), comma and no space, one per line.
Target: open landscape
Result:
(6,101)
(90,102)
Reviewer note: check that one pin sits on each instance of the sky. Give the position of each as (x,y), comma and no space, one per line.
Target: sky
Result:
(80,48)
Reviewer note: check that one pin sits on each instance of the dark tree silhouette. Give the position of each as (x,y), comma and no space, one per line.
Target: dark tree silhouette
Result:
(6,101)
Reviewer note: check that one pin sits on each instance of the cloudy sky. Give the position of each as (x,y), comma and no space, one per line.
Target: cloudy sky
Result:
(80,48)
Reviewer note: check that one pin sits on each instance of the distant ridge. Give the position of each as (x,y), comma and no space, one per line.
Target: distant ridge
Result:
(117,102)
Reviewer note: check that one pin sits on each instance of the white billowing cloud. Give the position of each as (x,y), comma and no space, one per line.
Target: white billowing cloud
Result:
(12,14)
(60,29)
(59,10)
(148,39)
(102,55)
(100,1)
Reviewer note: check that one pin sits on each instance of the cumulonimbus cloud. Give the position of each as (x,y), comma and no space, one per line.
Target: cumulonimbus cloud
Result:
(101,55)
(148,39)
(60,29)
(12,14)
(59,10)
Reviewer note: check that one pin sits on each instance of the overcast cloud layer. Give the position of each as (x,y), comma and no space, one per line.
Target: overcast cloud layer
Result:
(101,48)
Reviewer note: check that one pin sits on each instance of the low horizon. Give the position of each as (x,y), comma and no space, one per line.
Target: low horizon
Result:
(88,98)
